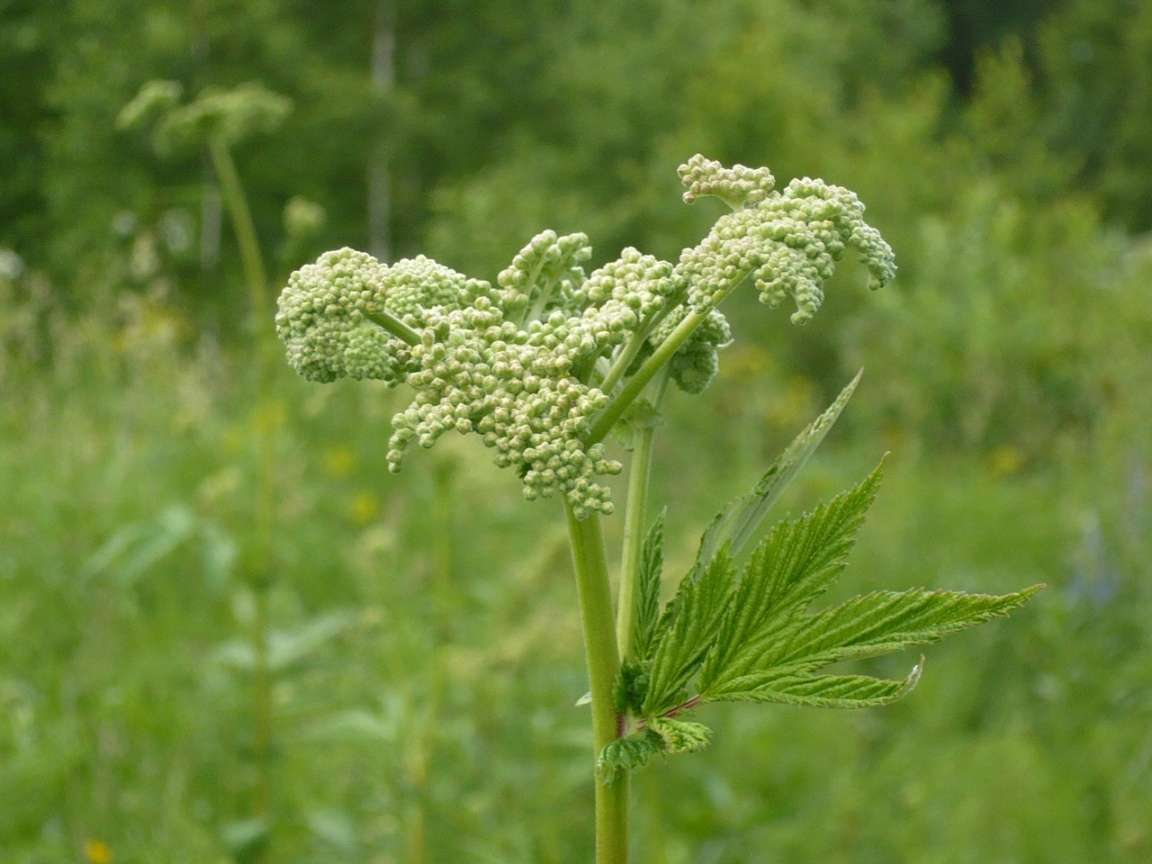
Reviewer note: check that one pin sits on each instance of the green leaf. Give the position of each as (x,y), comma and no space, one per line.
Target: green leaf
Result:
(288,649)
(782,660)
(135,550)
(886,621)
(631,688)
(828,691)
(680,736)
(753,640)
(687,631)
(648,592)
(737,523)
(627,754)
(791,568)
(246,839)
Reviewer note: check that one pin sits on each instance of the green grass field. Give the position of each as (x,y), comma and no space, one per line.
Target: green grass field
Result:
(425,640)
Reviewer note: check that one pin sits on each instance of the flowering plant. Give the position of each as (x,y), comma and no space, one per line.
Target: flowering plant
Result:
(548,362)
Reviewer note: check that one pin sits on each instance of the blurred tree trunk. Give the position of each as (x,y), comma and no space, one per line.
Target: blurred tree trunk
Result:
(379,174)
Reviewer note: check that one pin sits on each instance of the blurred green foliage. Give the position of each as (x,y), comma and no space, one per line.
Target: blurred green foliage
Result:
(424,631)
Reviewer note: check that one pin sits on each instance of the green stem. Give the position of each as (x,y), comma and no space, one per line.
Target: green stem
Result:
(241,216)
(262,573)
(624,359)
(394,326)
(603,667)
(634,517)
(615,409)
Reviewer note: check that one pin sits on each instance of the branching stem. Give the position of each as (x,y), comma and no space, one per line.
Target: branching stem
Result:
(615,409)
(624,360)
(393,325)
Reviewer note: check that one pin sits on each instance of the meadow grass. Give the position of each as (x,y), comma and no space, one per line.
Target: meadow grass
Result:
(427,654)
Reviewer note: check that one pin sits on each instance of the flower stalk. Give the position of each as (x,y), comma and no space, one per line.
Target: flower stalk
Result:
(595,596)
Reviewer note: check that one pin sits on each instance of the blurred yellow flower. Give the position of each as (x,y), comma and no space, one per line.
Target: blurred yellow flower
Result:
(339,461)
(1005,461)
(98,852)
(363,508)
(268,416)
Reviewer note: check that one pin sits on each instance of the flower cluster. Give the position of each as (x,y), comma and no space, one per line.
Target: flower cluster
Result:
(514,387)
(697,361)
(738,186)
(229,116)
(789,242)
(326,314)
(526,364)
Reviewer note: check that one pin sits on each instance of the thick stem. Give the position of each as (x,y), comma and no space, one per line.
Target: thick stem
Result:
(603,667)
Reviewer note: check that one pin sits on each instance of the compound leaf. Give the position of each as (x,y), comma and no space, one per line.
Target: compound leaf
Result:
(864,626)
(790,569)
(687,632)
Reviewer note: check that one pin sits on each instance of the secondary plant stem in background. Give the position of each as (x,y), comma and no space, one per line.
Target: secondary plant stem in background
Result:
(237,203)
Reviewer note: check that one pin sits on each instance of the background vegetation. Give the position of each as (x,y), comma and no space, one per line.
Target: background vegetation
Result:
(423,649)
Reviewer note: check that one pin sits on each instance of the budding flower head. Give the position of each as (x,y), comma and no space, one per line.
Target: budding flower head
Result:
(738,186)
(540,365)
(788,241)
(229,116)
(697,361)
(325,314)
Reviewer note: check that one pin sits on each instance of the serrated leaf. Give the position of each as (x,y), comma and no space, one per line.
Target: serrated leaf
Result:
(648,592)
(886,621)
(864,626)
(680,736)
(687,631)
(627,754)
(791,568)
(827,691)
(737,523)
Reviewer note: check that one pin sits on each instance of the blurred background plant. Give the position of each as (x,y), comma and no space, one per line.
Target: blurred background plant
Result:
(1003,151)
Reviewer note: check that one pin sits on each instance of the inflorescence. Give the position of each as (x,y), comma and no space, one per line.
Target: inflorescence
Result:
(522,363)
